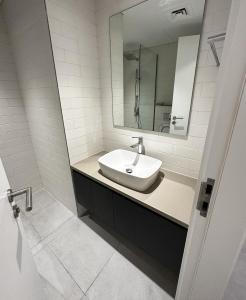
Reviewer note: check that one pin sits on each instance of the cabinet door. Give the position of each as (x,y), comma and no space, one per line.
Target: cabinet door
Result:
(83,187)
(125,216)
(161,238)
(102,204)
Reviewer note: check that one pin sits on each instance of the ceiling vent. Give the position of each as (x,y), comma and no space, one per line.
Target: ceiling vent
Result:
(179,12)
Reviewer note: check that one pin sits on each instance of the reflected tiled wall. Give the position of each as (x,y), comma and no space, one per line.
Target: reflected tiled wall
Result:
(16,149)
(74,41)
(182,155)
(28,29)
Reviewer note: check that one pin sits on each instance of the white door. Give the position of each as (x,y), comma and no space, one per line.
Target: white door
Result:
(19,279)
(213,242)
(228,220)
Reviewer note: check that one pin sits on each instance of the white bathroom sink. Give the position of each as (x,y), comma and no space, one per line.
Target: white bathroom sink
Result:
(130,169)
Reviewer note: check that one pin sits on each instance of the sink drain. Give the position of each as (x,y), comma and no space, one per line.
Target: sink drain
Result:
(128,170)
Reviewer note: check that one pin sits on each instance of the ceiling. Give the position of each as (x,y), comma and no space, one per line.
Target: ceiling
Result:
(152,23)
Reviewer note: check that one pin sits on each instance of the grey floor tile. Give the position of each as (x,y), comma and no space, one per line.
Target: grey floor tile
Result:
(50,292)
(82,251)
(31,234)
(48,219)
(162,276)
(55,234)
(105,234)
(121,280)
(58,282)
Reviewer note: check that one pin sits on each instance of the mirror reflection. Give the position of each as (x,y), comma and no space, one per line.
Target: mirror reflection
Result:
(154,49)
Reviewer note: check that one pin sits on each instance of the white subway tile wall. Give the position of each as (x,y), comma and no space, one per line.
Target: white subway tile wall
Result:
(182,155)
(74,40)
(28,29)
(16,149)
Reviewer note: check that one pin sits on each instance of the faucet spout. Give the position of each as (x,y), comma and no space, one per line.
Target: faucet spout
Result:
(139,144)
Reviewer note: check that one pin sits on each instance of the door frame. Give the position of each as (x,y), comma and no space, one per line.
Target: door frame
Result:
(229,88)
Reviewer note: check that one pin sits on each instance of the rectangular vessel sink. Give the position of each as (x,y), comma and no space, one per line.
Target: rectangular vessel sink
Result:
(130,169)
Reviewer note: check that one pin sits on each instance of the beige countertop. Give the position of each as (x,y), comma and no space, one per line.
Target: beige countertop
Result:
(172,195)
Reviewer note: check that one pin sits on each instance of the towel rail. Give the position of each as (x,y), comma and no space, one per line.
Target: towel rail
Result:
(211,40)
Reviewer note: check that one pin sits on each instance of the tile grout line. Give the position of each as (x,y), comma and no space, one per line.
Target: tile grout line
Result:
(30,216)
(41,276)
(98,274)
(55,232)
(50,234)
(48,246)
(31,225)
(70,275)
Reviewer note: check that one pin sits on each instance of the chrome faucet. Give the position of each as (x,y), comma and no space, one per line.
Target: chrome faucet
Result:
(139,144)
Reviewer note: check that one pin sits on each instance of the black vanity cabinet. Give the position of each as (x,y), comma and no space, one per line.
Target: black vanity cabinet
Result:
(159,237)
(125,212)
(156,235)
(103,209)
(94,197)
(83,190)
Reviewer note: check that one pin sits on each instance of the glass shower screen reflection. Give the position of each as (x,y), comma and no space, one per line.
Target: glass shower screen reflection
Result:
(140,68)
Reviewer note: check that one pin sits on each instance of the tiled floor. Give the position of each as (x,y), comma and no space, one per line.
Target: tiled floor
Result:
(77,259)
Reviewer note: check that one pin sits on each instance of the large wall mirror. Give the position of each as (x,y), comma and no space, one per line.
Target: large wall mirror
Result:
(154,49)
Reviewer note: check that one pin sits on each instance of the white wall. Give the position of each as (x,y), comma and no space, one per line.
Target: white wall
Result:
(236,288)
(167,54)
(16,149)
(27,25)
(74,41)
(4,183)
(178,154)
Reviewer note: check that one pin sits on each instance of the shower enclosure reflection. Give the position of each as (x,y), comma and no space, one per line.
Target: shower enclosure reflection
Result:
(140,68)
